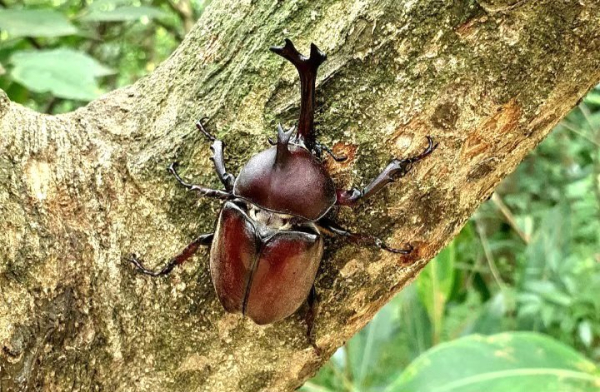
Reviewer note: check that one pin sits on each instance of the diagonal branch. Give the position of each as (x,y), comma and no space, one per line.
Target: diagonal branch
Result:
(80,191)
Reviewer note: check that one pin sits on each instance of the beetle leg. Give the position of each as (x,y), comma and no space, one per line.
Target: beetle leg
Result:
(203,240)
(396,169)
(309,317)
(199,188)
(218,158)
(334,228)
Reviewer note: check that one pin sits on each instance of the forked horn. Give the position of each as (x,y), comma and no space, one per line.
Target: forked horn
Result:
(307,69)
(283,139)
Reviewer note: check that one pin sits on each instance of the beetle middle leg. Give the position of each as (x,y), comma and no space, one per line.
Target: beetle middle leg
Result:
(199,188)
(218,158)
(332,227)
(396,169)
(203,240)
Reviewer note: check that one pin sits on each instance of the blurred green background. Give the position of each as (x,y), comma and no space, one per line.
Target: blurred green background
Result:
(512,304)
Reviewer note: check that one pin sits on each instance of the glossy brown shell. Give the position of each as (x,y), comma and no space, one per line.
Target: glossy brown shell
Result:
(298,186)
(268,276)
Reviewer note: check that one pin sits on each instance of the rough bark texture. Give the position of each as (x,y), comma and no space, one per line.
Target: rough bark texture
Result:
(80,191)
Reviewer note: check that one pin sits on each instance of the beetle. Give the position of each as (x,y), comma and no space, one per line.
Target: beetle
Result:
(267,245)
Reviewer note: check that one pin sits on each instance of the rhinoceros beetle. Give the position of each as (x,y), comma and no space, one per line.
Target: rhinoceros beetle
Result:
(267,245)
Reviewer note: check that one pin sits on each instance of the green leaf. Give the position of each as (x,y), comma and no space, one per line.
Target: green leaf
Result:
(65,73)
(585,333)
(124,14)
(592,98)
(35,23)
(516,362)
(377,334)
(108,4)
(491,318)
(434,286)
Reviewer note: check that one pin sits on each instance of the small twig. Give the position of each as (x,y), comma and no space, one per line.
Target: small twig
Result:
(348,386)
(183,9)
(510,218)
(51,105)
(577,132)
(489,255)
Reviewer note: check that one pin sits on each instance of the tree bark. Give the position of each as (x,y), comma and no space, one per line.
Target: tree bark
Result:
(80,191)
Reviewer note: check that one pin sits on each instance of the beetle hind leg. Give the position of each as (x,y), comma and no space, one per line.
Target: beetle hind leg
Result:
(203,240)
(334,228)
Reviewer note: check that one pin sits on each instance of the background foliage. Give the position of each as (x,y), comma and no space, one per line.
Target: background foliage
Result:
(511,304)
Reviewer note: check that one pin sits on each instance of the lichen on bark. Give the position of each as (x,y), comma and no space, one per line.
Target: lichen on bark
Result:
(80,191)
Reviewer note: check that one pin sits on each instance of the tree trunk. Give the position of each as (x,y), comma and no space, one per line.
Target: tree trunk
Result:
(80,191)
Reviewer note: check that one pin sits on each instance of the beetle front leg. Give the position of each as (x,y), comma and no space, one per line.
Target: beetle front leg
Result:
(396,169)
(319,148)
(203,240)
(364,239)
(199,188)
(218,158)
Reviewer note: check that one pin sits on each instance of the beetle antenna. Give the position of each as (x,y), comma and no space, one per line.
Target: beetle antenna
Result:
(307,69)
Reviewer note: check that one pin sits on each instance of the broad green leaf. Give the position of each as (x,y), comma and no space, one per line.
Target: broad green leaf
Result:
(415,322)
(398,334)
(35,23)
(65,73)
(365,352)
(491,318)
(123,14)
(516,362)
(435,284)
